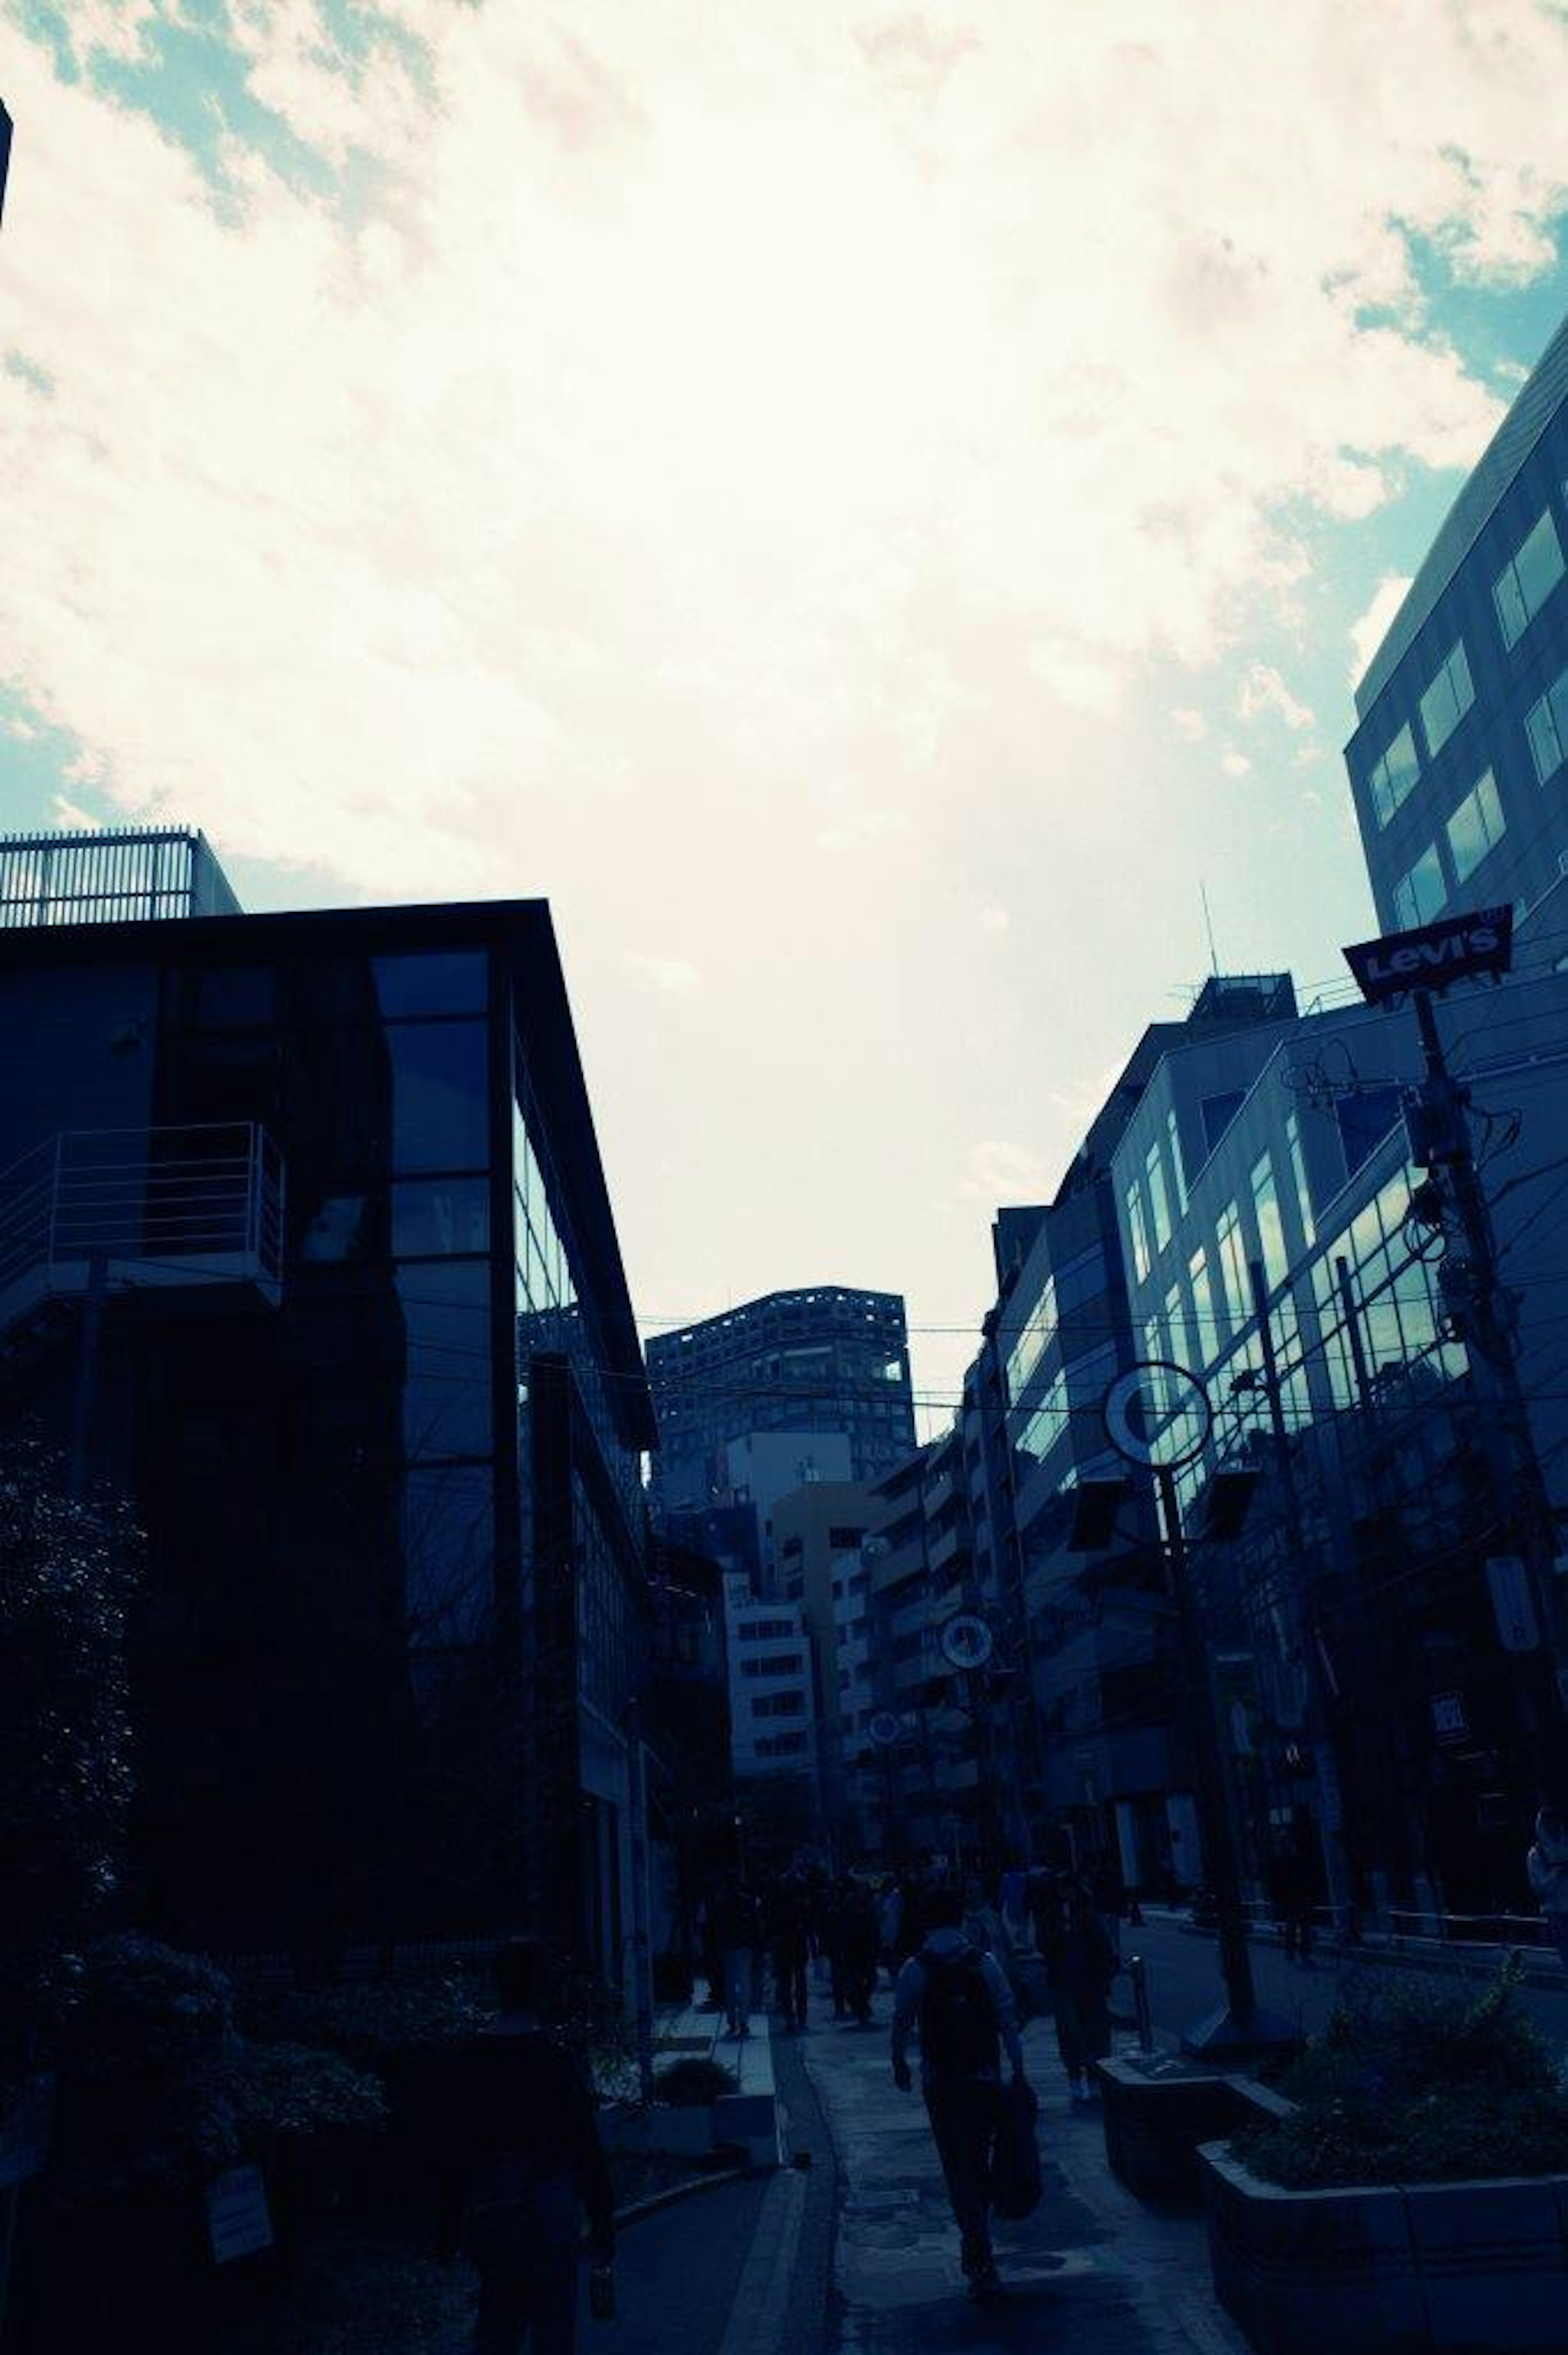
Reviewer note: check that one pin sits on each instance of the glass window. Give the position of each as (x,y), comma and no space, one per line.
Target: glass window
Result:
(1218,1114)
(1419,895)
(446,1380)
(226,997)
(1203,1308)
(430,981)
(448,1556)
(441,1217)
(337,1228)
(1447,698)
(1390,777)
(1173,1138)
(1270,1226)
(1159,1199)
(1528,579)
(1298,1173)
(1475,825)
(440,1107)
(1546,725)
(1137,1231)
(1234,1280)
(1182,1349)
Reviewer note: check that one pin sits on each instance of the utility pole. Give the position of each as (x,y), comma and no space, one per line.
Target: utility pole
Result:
(1329,1829)
(1488,1319)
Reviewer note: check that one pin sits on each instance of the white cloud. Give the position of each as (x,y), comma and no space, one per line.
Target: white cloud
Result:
(70,812)
(861,828)
(1368,634)
(673,977)
(1263,689)
(1190,725)
(997,1172)
(994,919)
(1235,763)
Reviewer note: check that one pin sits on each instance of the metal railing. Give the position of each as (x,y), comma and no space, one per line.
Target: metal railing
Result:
(178,1204)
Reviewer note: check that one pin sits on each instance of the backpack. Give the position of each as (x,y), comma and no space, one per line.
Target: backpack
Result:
(959,2032)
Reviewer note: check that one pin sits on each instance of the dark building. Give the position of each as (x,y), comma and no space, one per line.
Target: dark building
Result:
(5,155)
(305,1247)
(830,1361)
(1460,753)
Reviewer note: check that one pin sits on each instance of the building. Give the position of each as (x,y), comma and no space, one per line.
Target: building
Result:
(111,875)
(306,1248)
(773,1725)
(5,155)
(1459,765)
(797,1366)
(818,1534)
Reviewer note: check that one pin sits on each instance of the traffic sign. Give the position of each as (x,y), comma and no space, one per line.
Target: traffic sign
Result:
(966,1642)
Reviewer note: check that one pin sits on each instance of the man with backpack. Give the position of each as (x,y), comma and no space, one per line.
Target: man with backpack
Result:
(960,1999)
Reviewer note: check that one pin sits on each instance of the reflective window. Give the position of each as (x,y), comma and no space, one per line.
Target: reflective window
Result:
(439,1104)
(442,1217)
(1203,1308)
(1234,1280)
(1158,1201)
(1528,579)
(1137,1231)
(1546,725)
(1270,1226)
(1218,1114)
(446,1385)
(449,1574)
(337,1228)
(1418,896)
(1447,698)
(430,981)
(233,996)
(1173,1138)
(1298,1173)
(1390,777)
(1476,826)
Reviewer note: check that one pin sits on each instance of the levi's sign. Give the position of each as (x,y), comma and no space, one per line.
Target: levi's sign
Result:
(1457,949)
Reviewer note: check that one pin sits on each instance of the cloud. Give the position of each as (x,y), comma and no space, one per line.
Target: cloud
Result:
(1190,725)
(1369,633)
(997,1171)
(1235,763)
(1263,690)
(994,920)
(513,446)
(861,828)
(673,977)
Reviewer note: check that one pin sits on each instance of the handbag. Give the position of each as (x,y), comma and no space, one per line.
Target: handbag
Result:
(1015,2178)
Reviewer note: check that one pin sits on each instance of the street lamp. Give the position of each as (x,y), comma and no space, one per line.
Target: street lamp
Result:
(1157,1418)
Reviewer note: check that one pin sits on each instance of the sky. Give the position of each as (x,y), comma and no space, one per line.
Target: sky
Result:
(874,512)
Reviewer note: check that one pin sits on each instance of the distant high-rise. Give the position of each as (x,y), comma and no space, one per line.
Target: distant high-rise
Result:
(111,875)
(5,154)
(828,1362)
(1459,760)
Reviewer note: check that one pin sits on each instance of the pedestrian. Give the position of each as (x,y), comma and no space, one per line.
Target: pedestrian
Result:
(1547,1865)
(520,2156)
(789,1935)
(830,1939)
(1109,1890)
(1291,1883)
(862,1942)
(730,1912)
(1079,1967)
(982,1923)
(963,2006)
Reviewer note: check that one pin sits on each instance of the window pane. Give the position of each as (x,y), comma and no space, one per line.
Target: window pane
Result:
(1475,826)
(430,982)
(1447,698)
(441,1215)
(446,1383)
(1539,565)
(439,1113)
(1392,776)
(1545,724)
(447,1557)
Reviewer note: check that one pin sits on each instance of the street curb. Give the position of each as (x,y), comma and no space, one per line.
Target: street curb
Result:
(635,2210)
(1442,1959)
(759,2317)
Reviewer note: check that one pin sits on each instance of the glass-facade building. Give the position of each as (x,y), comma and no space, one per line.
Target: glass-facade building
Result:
(1458,763)
(397,1589)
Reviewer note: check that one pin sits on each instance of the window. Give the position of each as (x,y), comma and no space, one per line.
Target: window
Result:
(1218,1114)
(845,1540)
(440,1110)
(780,1704)
(1173,1138)
(1203,1308)
(1390,779)
(1476,826)
(781,1746)
(1233,1267)
(1546,725)
(1447,698)
(1419,895)
(767,1631)
(1270,1228)
(441,1217)
(1365,1120)
(1299,1172)
(1181,1349)
(430,981)
(1154,1171)
(1137,1231)
(1528,579)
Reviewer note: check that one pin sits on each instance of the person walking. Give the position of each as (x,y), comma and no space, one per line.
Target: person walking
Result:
(790,1938)
(1079,1967)
(730,1912)
(963,2006)
(861,1935)
(521,2157)
(1547,1865)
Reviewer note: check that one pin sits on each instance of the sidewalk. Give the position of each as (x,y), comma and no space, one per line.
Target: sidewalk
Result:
(1090,2270)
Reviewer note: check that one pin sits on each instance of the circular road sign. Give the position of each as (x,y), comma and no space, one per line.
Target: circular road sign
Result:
(967,1641)
(885,1729)
(1157,1412)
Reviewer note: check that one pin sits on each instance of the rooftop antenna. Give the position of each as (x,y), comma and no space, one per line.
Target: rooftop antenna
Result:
(1209,928)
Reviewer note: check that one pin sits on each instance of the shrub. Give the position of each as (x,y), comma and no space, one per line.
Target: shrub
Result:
(689,2084)
(1417,2080)
(384,2025)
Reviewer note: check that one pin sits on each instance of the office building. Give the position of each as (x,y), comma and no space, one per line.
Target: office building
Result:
(773,1706)
(1458,763)
(818,1532)
(306,1249)
(800,1367)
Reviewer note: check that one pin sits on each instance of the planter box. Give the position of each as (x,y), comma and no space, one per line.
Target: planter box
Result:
(1158,2111)
(1477,2269)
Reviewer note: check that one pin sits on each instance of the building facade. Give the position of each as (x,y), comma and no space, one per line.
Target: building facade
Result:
(1459,765)
(306,1248)
(111,875)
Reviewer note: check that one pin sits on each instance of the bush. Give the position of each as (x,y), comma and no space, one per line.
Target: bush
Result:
(384,2025)
(690,2085)
(1417,2080)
